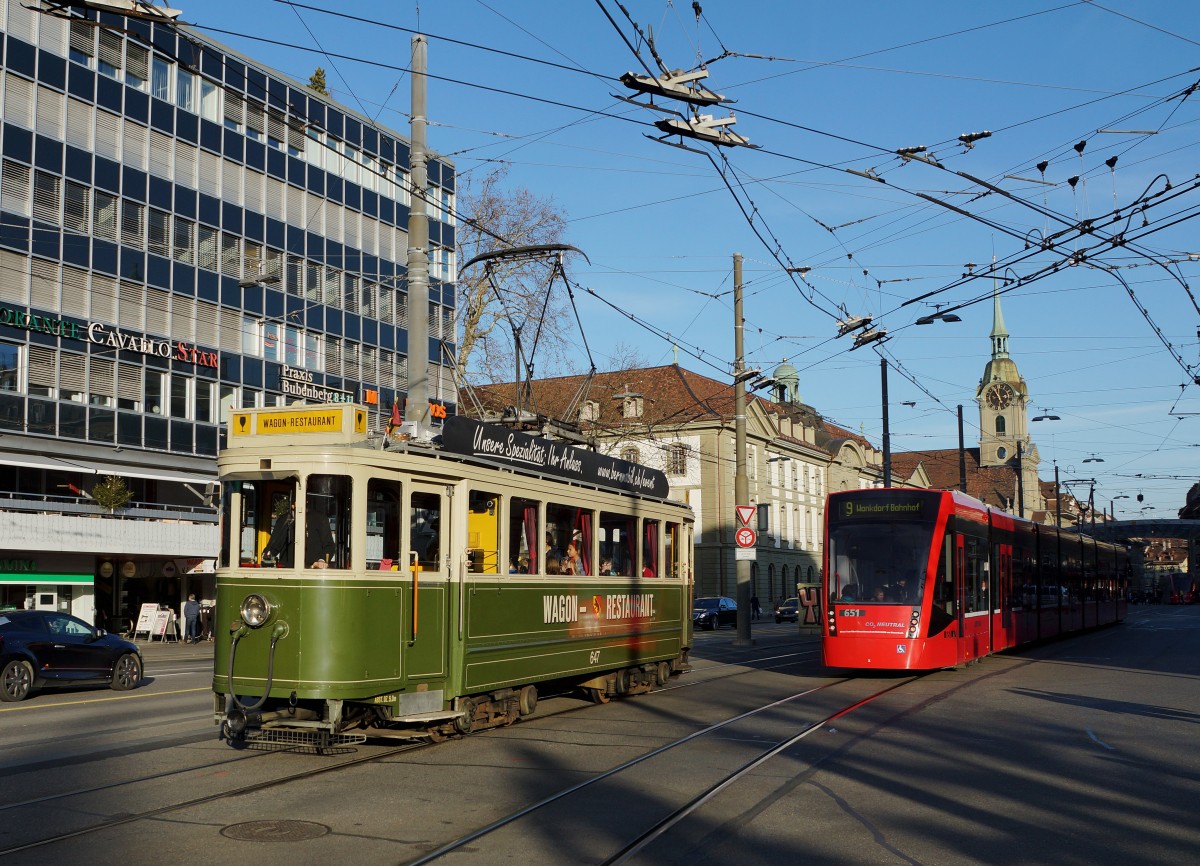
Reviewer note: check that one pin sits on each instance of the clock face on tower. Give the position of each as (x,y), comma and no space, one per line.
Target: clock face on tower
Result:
(1000,396)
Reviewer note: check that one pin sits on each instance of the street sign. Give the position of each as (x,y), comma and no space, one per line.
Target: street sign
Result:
(745,537)
(745,514)
(745,554)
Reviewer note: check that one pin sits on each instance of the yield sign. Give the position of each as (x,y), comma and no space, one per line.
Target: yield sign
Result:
(745,514)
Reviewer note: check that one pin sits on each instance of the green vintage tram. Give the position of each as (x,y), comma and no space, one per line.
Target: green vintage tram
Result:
(432,589)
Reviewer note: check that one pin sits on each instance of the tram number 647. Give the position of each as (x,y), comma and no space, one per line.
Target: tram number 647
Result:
(594,657)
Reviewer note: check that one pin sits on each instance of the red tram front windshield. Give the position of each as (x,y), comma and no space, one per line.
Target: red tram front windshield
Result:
(882,553)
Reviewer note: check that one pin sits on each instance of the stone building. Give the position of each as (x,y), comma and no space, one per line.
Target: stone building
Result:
(683,423)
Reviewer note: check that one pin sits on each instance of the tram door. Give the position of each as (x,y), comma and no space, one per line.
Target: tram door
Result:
(960,562)
(427,621)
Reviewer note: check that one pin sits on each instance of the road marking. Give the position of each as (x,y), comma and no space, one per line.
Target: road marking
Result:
(1101,742)
(101,700)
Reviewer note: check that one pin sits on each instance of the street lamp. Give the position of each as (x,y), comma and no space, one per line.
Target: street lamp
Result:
(1047,416)
(1093,458)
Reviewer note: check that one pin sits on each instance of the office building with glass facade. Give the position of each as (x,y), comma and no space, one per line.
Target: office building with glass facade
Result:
(183,231)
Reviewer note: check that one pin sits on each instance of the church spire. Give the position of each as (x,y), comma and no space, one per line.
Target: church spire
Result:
(999,333)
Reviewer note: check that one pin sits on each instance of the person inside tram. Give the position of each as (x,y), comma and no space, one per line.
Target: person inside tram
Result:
(900,589)
(280,549)
(573,562)
(553,565)
(319,546)
(880,594)
(849,592)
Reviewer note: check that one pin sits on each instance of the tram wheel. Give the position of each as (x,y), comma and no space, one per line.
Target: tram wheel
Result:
(621,682)
(464,723)
(529,700)
(598,696)
(662,673)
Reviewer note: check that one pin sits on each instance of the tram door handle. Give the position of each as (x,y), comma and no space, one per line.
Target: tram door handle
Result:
(415,567)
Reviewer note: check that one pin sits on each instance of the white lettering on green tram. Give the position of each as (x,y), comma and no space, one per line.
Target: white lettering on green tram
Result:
(560,608)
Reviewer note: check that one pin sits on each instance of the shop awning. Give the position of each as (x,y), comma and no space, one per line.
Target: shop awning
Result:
(100,469)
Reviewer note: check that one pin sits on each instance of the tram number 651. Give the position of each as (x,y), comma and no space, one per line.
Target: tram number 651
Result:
(594,657)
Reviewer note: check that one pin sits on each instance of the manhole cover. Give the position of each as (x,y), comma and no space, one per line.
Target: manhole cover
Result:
(275,831)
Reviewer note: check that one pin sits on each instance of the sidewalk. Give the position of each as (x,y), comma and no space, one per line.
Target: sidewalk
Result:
(172,649)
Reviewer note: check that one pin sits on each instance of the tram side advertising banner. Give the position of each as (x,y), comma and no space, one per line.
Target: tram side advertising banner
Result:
(470,437)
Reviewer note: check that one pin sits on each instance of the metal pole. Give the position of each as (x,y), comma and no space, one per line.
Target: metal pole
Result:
(1020,479)
(962,454)
(741,483)
(416,409)
(887,436)
(1057,499)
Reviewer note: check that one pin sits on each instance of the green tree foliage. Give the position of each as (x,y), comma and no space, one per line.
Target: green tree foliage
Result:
(112,493)
(316,81)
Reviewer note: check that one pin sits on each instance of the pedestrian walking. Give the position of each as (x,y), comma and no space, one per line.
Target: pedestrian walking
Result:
(191,619)
(755,607)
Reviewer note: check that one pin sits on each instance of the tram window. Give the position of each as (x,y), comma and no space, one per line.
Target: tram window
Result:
(483,532)
(425,529)
(975,574)
(617,534)
(268,523)
(327,522)
(229,488)
(869,556)
(383,525)
(650,563)
(524,552)
(567,527)
(671,550)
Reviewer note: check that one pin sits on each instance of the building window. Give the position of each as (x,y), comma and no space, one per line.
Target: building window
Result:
(160,81)
(999,425)
(590,411)
(136,66)
(184,247)
(159,232)
(185,89)
(132,229)
(111,44)
(631,455)
(210,101)
(104,215)
(632,406)
(10,367)
(83,42)
(77,207)
(677,460)
(46,197)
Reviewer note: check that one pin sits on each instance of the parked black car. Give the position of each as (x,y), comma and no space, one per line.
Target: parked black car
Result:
(42,648)
(788,610)
(710,613)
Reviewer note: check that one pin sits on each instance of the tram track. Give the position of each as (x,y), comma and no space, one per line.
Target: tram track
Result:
(633,844)
(697,677)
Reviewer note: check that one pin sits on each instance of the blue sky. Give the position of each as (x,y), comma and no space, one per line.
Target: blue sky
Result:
(849,84)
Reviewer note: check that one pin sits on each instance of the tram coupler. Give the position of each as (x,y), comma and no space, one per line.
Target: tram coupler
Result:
(238,721)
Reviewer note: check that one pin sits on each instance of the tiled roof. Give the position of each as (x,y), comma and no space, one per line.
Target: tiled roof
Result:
(670,396)
(995,485)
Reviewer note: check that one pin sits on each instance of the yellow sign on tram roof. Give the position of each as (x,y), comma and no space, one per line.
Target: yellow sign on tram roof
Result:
(339,418)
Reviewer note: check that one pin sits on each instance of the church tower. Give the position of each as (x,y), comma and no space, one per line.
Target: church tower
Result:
(1004,415)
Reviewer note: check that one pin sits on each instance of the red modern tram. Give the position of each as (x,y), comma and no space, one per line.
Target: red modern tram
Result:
(926,579)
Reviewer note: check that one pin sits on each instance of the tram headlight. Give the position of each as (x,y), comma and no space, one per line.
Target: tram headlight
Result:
(256,610)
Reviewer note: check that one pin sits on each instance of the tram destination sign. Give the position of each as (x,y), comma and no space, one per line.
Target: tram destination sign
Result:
(472,438)
(900,507)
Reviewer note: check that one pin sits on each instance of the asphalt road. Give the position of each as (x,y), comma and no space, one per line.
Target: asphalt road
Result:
(1078,752)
